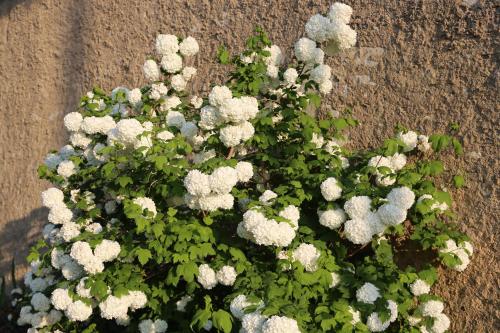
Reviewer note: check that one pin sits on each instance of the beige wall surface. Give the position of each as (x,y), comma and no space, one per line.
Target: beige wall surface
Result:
(419,63)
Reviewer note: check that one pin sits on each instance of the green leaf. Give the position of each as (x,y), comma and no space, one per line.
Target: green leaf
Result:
(143,255)
(223,321)
(459,181)
(223,55)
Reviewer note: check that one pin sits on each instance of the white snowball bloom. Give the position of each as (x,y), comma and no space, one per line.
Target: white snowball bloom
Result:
(358,231)
(178,82)
(318,140)
(420,287)
(206,276)
(276,56)
(321,73)
(414,321)
(409,139)
(151,70)
(149,326)
(267,196)
(79,139)
(464,259)
(126,132)
(244,171)
(257,228)
(219,95)
(183,302)
(290,75)
(326,87)
(171,63)
(335,280)
(40,302)
(398,161)
(307,255)
(356,316)
(60,214)
(375,324)
(223,179)
(170,102)
(82,253)
(390,214)
(367,293)
(197,183)
(441,323)
(69,231)
(58,258)
(467,246)
(61,299)
(340,12)
(232,135)
(67,151)
(423,143)
(158,90)
(94,125)
(67,169)
(343,36)
(136,299)
(114,307)
(146,203)
(319,28)
(432,308)
(188,73)
(71,270)
(107,250)
(73,121)
(134,96)
(176,119)
(332,218)
(382,161)
(292,214)
(52,197)
(165,135)
(166,44)
(78,311)
(81,290)
(403,197)
(189,47)
(238,109)
(272,71)
(252,323)
(330,189)
(196,101)
(189,130)
(277,324)
(305,50)
(209,117)
(227,275)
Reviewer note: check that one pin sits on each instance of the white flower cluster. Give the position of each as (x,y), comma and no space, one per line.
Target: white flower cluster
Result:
(255,322)
(393,163)
(330,189)
(375,324)
(172,53)
(436,205)
(367,293)
(420,287)
(146,204)
(434,310)
(150,326)
(412,140)
(117,308)
(333,28)
(212,192)
(129,133)
(307,255)
(463,252)
(273,61)
(93,261)
(263,231)
(233,112)
(208,278)
(364,223)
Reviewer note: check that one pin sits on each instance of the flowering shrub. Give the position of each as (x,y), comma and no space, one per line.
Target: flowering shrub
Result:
(238,211)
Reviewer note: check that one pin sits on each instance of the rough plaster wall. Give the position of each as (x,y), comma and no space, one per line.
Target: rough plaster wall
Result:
(422,64)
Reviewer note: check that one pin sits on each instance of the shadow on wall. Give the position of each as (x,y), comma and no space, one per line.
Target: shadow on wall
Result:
(7,5)
(16,239)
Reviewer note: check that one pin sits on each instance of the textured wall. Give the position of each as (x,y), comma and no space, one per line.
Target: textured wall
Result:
(420,63)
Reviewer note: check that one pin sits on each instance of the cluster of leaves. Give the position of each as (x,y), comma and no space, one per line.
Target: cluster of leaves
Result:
(160,254)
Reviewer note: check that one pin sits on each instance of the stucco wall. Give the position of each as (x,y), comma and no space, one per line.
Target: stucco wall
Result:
(423,64)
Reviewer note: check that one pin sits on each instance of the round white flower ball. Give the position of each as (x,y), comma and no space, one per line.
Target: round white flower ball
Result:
(73,121)
(330,189)
(277,324)
(340,12)
(78,311)
(409,139)
(171,62)
(151,70)
(390,214)
(432,308)
(206,276)
(307,255)
(61,299)
(40,302)
(420,287)
(166,44)
(290,75)
(402,197)
(367,293)
(332,218)
(197,183)
(189,47)
(358,231)
(358,207)
(244,171)
(227,275)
